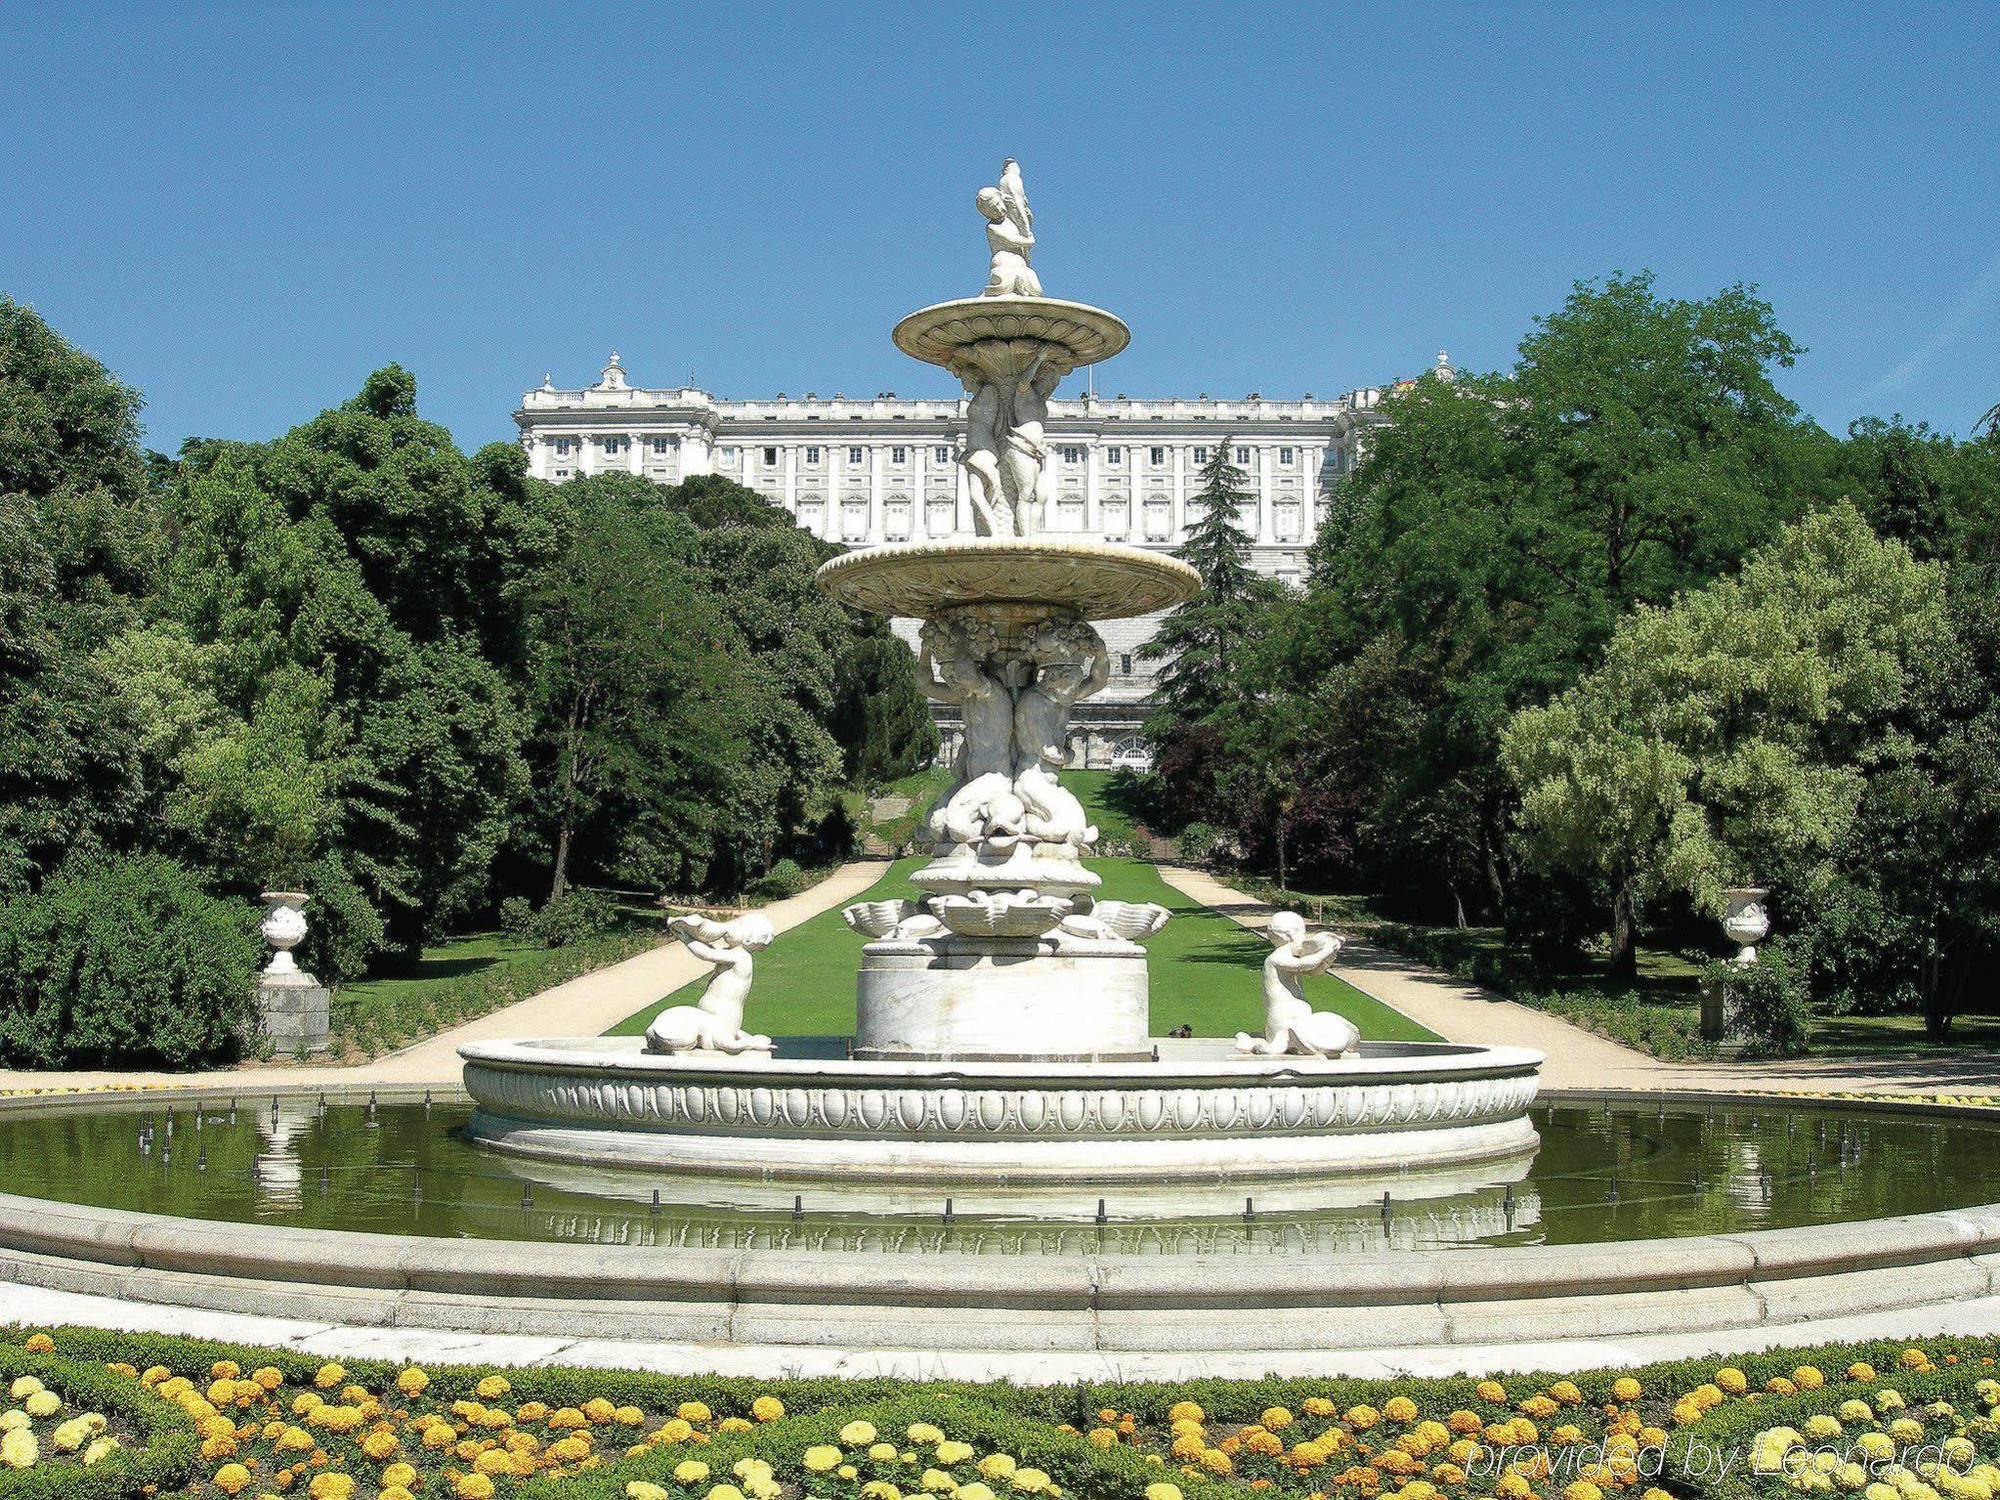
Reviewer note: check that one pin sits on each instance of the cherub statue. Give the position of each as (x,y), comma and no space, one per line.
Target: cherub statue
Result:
(1010,236)
(955,654)
(714,1023)
(1069,662)
(1025,472)
(991,515)
(1290,1023)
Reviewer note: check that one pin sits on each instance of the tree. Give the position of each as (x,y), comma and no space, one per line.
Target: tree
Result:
(629,682)
(78,531)
(882,719)
(1498,528)
(1728,736)
(1203,642)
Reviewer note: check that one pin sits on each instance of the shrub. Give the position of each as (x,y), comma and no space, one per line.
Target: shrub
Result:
(575,916)
(785,878)
(344,931)
(1198,843)
(124,960)
(1768,1003)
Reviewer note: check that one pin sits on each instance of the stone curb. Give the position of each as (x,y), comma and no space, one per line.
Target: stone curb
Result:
(1103,1302)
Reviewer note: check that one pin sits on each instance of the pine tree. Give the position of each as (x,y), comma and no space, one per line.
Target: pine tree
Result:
(1203,640)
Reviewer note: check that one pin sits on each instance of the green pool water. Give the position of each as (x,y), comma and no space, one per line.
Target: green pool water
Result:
(1602,1173)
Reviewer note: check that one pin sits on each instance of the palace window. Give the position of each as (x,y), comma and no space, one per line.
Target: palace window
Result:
(1284,455)
(663,445)
(896,519)
(770,458)
(899,455)
(729,455)
(562,445)
(855,455)
(941,517)
(1114,455)
(1243,455)
(942,455)
(1201,455)
(562,473)
(1125,664)
(812,455)
(613,445)
(1072,454)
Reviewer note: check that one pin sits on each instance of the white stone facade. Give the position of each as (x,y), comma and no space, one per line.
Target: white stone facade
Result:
(863,471)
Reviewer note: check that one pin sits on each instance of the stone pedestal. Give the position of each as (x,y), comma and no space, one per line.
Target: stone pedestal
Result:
(1023,999)
(294,1011)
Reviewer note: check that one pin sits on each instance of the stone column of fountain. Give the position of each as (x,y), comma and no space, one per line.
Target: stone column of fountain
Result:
(1008,955)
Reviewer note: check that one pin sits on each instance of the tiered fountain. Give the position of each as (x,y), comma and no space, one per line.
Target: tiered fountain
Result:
(1001,1050)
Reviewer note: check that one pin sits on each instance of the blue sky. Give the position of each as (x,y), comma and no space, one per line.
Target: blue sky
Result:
(244,210)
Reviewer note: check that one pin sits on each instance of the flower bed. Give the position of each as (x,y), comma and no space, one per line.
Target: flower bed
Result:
(217,1419)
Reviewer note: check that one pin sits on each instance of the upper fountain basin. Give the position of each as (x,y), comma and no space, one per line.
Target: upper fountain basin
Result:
(1088,335)
(1099,580)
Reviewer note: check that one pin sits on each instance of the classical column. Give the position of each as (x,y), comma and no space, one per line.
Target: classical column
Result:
(791,463)
(1177,521)
(878,525)
(1092,454)
(1267,525)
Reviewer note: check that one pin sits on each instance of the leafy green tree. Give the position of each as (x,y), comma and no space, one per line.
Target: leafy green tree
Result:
(1727,736)
(633,700)
(78,532)
(1498,528)
(882,719)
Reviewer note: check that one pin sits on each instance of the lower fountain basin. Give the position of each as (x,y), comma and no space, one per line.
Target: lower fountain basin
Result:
(1196,1118)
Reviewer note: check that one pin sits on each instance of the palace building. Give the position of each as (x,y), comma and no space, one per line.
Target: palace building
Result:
(862,471)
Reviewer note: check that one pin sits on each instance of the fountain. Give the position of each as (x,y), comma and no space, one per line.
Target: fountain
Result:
(1002,1044)
(1001,1158)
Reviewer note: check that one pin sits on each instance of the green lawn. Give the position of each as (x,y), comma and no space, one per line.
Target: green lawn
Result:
(1205,969)
(473,953)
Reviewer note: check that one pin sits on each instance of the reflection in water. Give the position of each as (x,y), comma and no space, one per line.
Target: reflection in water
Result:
(1602,1173)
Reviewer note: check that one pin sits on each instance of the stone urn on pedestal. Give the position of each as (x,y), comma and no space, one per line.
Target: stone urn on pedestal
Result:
(1745,922)
(294,1010)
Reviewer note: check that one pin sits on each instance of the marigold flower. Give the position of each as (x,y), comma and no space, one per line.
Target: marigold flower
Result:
(880,1489)
(40,1343)
(690,1471)
(232,1479)
(492,1387)
(597,1409)
(1159,1489)
(1732,1381)
(1860,1371)
(473,1486)
(693,1411)
(99,1449)
(1185,1411)
(858,1434)
(395,1492)
(725,1492)
(1216,1461)
(412,1381)
(331,1485)
(42,1404)
(821,1458)
(329,1376)
(1625,1388)
(974,1491)
(952,1451)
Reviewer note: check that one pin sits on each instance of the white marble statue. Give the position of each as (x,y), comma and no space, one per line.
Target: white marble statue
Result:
(900,919)
(1010,236)
(1106,920)
(1026,476)
(1291,1025)
(714,1023)
(985,418)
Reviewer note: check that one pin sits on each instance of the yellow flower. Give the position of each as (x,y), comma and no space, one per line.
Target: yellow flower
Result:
(767,1408)
(1276,1418)
(1184,1411)
(858,1434)
(380,1445)
(1159,1489)
(395,1492)
(40,1343)
(638,1489)
(331,1485)
(1490,1390)
(693,1411)
(412,1382)
(995,1466)
(1567,1392)
(1102,1437)
(923,1432)
(1913,1359)
(329,1376)
(882,1453)
(880,1489)
(492,1387)
(973,1491)
(1808,1378)
(232,1478)
(1030,1481)
(1625,1388)
(1398,1409)
(751,1468)
(1216,1461)
(820,1458)
(675,1430)
(1362,1417)
(938,1482)
(473,1486)
(1860,1371)
(99,1449)
(399,1474)
(951,1451)
(1512,1486)
(497,1461)
(690,1471)
(725,1492)
(1732,1381)
(42,1404)
(597,1409)
(1582,1489)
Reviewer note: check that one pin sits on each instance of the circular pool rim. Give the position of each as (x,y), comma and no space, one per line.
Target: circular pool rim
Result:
(1104,1301)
